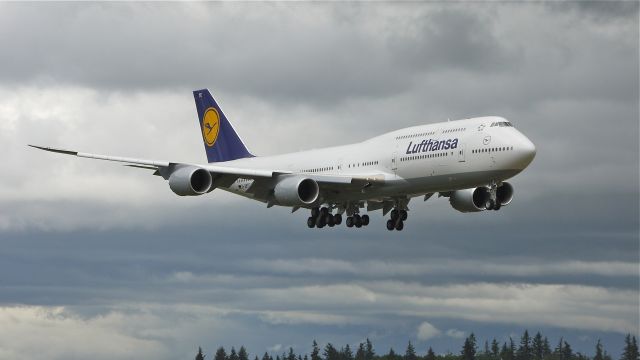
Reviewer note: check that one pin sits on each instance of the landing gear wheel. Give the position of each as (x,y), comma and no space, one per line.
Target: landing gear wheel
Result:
(330,221)
(365,220)
(311,222)
(394,214)
(337,219)
(324,211)
(320,222)
(314,212)
(358,220)
(399,225)
(403,215)
(497,206)
(391,225)
(349,221)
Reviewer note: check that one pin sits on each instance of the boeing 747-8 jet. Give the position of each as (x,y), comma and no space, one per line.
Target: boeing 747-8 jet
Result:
(466,160)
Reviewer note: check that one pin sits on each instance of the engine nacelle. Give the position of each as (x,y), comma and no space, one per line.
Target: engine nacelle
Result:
(504,194)
(190,181)
(475,199)
(296,190)
(469,200)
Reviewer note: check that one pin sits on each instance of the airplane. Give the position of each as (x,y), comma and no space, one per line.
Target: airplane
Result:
(466,161)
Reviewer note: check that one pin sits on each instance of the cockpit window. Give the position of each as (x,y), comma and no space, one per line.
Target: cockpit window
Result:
(501,124)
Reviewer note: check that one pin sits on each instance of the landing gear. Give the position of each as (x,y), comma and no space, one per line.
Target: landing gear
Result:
(322,216)
(398,216)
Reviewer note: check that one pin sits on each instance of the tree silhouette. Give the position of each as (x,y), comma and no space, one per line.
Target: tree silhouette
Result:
(220,354)
(469,348)
(315,351)
(200,355)
(410,353)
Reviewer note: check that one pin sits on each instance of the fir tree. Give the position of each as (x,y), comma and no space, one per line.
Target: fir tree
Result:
(567,353)
(346,353)
(220,354)
(410,353)
(291,355)
(504,352)
(369,352)
(546,348)
(391,355)
(266,356)
(537,347)
(315,351)
(599,352)
(430,354)
(630,351)
(495,348)
(486,351)
(200,355)
(330,352)
(233,355)
(524,351)
(360,353)
(242,354)
(469,348)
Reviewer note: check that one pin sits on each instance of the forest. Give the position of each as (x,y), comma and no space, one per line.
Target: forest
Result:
(528,347)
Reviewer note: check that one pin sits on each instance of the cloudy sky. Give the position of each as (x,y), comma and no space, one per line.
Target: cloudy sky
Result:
(102,260)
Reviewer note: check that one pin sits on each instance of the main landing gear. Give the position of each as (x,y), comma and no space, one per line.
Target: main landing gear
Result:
(397,220)
(357,220)
(492,202)
(321,217)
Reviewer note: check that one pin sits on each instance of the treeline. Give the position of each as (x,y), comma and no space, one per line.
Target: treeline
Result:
(535,347)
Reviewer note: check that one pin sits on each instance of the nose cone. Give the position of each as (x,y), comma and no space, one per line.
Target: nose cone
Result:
(526,151)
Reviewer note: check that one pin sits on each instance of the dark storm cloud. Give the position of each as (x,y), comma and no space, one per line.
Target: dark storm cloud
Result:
(259,49)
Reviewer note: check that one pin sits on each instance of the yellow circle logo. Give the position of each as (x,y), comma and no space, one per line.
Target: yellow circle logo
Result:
(210,126)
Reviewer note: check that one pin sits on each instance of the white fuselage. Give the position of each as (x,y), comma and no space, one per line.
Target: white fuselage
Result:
(408,162)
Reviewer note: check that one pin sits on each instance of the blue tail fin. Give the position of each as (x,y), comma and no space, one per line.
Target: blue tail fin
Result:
(221,141)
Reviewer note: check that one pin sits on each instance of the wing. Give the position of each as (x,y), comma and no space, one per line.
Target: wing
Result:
(224,176)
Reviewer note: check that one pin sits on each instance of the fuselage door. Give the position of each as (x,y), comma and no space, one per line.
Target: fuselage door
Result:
(461,153)
(394,161)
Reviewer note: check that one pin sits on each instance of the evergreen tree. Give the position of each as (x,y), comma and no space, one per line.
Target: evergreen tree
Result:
(630,351)
(410,353)
(233,355)
(504,352)
(200,355)
(469,348)
(242,354)
(524,351)
(256,358)
(360,353)
(305,357)
(315,351)
(266,356)
(220,354)
(346,353)
(567,353)
(291,355)
(277,357)
(537,347)
(557,352)
(430,354)
(391,355)
(599,352)
(369,353)
(495,348)
(546,348)
(300,357)
(330,352)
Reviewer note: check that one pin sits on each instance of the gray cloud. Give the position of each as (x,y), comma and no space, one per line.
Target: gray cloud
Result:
(93,250)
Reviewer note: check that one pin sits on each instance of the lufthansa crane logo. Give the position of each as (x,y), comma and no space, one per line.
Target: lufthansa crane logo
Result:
(210,126)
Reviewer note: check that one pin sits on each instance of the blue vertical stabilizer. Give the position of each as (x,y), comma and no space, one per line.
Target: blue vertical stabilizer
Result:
(221,142)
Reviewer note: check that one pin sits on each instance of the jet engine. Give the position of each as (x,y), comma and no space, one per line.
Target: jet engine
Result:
(477,199)
(296,191)
(190,181)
